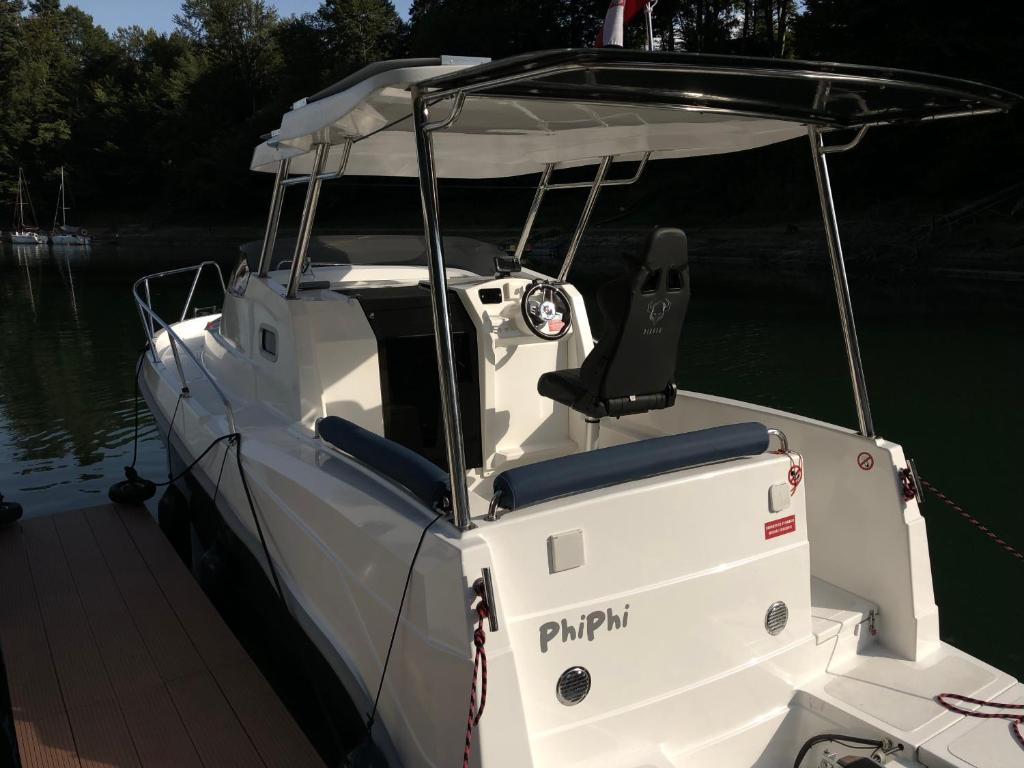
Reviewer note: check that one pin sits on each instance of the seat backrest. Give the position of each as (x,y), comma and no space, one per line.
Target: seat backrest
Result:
(644,314)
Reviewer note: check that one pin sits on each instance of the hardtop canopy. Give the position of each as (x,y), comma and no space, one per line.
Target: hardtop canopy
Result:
(575,106)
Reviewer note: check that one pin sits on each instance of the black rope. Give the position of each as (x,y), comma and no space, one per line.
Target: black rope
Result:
(394,631)
(173,479)
(256,520)
(138,372)
(321,703)
(838,738)
(170,430)
(220,474)
(233,438)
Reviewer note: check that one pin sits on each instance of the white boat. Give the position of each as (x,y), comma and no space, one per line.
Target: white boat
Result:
(671,578)
(24,232)
(63,233)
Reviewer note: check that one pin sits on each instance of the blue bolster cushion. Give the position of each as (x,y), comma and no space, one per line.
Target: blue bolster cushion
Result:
(587,471)
(421,477)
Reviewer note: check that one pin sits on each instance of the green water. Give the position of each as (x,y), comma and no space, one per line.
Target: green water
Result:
(945,383)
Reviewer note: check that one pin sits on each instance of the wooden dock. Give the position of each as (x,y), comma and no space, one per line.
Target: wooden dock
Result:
(114,656)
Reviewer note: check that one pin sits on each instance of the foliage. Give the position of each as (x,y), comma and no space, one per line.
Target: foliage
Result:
(162,125)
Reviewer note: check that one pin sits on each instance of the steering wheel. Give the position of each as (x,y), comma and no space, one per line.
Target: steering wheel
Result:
(546,310)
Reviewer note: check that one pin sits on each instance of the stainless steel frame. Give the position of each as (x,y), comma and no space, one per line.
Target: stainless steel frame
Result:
(685,99)
(835,249)
(581,227)
(649,14)
(439,302)
(274,218)
(818,120)
(538,198)
(544,185)
(306,223)
(151,320)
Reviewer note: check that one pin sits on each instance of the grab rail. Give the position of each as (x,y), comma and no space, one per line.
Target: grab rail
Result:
(152,322)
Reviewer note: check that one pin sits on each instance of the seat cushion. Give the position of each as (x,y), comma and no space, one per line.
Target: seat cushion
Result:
(591,470)
(422,478)
(566,387)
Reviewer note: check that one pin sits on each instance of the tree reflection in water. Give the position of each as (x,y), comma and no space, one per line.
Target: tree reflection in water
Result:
(69,336)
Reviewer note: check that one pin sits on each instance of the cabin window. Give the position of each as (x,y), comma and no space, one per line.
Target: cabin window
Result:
(268,342)
(239,277)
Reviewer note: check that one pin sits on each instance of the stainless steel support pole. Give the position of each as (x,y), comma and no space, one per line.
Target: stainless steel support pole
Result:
(177,364)
(191,294)
(538,196)
(835,249)
(270,235)
(442,324)
(649,13)
(306,223)
(149,319)
(588,208)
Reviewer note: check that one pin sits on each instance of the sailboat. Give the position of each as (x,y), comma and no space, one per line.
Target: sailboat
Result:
(23,233)
(63,233)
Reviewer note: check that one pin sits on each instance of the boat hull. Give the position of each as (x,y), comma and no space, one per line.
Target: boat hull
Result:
(71,240)
(27,238)
(694,680)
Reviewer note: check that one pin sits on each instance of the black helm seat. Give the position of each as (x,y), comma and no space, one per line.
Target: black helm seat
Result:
(632,368)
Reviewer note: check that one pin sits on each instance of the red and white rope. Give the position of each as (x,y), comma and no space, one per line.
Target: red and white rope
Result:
(479,671)
(972,520)
(1016,720)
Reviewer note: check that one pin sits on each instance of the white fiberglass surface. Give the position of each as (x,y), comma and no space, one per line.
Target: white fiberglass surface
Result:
(496,138)
(359,274)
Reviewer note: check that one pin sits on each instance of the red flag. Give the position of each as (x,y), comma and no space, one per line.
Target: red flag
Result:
(620,13)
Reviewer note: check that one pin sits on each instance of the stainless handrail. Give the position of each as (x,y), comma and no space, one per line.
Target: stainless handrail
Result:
(149,317)
(545,185)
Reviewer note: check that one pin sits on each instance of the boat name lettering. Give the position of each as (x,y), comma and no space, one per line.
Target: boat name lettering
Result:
(588,627)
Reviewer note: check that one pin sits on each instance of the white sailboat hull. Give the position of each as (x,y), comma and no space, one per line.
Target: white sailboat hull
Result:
(27,238)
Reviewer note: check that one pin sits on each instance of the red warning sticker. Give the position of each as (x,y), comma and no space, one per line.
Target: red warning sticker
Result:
(779,527)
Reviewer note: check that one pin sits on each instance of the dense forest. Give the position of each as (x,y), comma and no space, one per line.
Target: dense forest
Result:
(159,127)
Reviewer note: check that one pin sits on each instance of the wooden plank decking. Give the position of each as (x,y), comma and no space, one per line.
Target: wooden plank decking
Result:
(115,657)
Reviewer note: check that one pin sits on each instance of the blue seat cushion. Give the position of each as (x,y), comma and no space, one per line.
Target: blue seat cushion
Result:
(421,477)
(581,472)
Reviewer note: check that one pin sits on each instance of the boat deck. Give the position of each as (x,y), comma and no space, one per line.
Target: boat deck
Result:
(115,657)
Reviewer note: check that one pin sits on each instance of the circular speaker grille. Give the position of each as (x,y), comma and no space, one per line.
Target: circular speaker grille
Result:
(776,617)
(573,686)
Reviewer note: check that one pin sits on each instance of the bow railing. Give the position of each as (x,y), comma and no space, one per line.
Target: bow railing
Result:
(153,325)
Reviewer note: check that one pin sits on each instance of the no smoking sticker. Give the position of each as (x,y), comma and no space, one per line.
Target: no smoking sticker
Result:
(865,461)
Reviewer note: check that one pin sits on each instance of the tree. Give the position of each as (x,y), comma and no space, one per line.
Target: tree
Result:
(238,38)
(498,29)
(355,33)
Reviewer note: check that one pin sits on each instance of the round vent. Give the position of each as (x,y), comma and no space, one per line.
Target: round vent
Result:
(573,686)
(776,618)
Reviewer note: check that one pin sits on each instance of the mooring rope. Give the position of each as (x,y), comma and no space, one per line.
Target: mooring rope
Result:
(1016,720)
(483,611)
(973,520)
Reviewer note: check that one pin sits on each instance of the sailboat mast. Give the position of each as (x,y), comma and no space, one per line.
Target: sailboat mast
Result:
(62,209)
(25,199)
(63,199)
(19,215)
